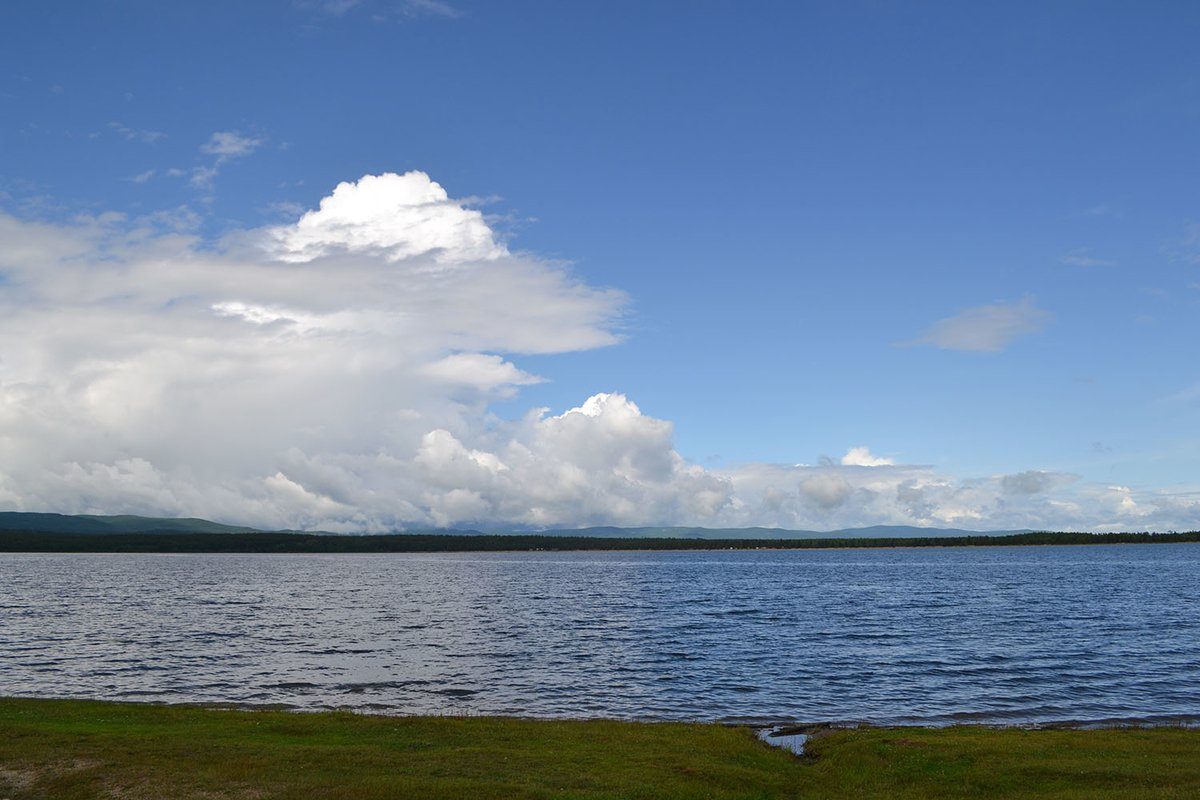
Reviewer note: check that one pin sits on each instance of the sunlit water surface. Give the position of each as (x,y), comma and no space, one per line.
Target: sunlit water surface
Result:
(1030,634)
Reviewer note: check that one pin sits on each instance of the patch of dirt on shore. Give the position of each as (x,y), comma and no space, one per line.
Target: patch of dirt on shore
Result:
(23,779)
(33,780)
(152,790)
(13,779)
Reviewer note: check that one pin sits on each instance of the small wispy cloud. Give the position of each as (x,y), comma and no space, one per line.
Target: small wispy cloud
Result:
(1100,210)
(1185,396)
(477,200)
(328,8)
(429,8)
(142,177)
(284,210)
(202,177)
(180,219)
(408,9)
(226,145)
(222,147)
(338,7)
(985,329)
(1081,257)
(1186,246)
(136,134)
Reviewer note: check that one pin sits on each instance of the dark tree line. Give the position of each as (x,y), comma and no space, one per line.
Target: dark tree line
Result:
(170,542)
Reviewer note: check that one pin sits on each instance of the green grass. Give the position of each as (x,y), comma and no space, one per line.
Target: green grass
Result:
(80,749)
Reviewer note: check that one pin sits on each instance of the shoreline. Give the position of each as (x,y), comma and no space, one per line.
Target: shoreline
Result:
(22,541)
(790,725)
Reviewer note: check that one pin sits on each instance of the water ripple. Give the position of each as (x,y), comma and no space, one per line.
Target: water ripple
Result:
(1008,635)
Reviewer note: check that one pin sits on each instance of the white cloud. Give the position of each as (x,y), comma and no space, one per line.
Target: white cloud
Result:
(213,370)
(478,371)
(337,373)
(986,329)
(862,457)
(398,216)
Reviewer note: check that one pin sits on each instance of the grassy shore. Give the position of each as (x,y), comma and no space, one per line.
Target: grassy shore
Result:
(79,749)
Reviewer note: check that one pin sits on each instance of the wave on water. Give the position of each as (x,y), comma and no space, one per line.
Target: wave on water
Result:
(1007,636)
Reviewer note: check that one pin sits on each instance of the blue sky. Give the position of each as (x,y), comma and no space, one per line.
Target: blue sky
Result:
(963,237)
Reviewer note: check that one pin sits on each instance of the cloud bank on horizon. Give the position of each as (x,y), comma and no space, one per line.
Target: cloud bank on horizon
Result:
(338,373)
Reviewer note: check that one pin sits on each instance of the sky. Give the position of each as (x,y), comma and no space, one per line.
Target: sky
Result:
(368,265)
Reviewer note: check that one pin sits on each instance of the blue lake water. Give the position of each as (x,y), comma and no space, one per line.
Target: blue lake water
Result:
(1000,635)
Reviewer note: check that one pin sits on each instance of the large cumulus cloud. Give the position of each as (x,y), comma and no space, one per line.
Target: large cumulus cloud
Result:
(337,373)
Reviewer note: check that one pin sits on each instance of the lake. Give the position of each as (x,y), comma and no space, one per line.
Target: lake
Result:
(894,636)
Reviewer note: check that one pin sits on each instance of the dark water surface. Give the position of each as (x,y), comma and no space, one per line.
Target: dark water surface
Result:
(1005,634)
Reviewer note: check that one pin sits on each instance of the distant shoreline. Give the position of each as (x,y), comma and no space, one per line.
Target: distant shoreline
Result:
(22,541)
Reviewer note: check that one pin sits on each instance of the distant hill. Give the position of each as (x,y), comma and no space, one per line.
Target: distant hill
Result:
(873,532)
(87,524)
(912,531)
(91,524)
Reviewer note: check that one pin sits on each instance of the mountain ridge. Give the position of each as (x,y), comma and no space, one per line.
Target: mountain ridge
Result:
(96,524)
